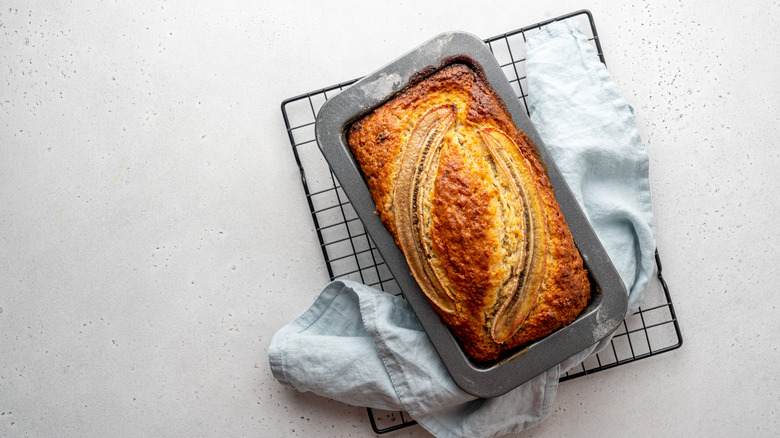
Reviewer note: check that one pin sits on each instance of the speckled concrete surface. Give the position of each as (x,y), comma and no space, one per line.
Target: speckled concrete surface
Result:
(154,233)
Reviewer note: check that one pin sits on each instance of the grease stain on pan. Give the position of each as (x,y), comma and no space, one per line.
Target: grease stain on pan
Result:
(442,42)
(605,323)
(384,85)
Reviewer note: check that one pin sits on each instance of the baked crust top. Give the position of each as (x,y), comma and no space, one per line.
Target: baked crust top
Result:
(468,200)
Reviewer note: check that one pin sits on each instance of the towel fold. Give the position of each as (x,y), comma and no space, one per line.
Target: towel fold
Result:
(365,347)
(591,134)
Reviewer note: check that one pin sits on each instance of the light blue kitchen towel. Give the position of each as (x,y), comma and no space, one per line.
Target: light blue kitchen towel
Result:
(365,347)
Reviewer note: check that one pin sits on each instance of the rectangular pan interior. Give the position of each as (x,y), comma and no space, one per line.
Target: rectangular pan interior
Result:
(609,302)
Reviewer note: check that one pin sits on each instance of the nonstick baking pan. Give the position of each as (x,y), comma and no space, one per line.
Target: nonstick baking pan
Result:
(609,301)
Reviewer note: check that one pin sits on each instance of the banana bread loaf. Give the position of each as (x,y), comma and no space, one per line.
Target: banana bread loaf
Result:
(468,200)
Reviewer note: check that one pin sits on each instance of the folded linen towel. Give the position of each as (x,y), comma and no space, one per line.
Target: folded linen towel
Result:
(590,132)
(364,347)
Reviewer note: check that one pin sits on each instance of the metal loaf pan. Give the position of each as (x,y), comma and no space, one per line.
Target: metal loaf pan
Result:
(608,304)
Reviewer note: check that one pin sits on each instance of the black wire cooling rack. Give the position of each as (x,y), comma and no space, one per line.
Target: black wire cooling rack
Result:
(350,254)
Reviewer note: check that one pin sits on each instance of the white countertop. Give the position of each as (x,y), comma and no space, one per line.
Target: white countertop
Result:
(154,231)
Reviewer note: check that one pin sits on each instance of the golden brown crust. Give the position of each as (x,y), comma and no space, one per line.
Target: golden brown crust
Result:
(474,212)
